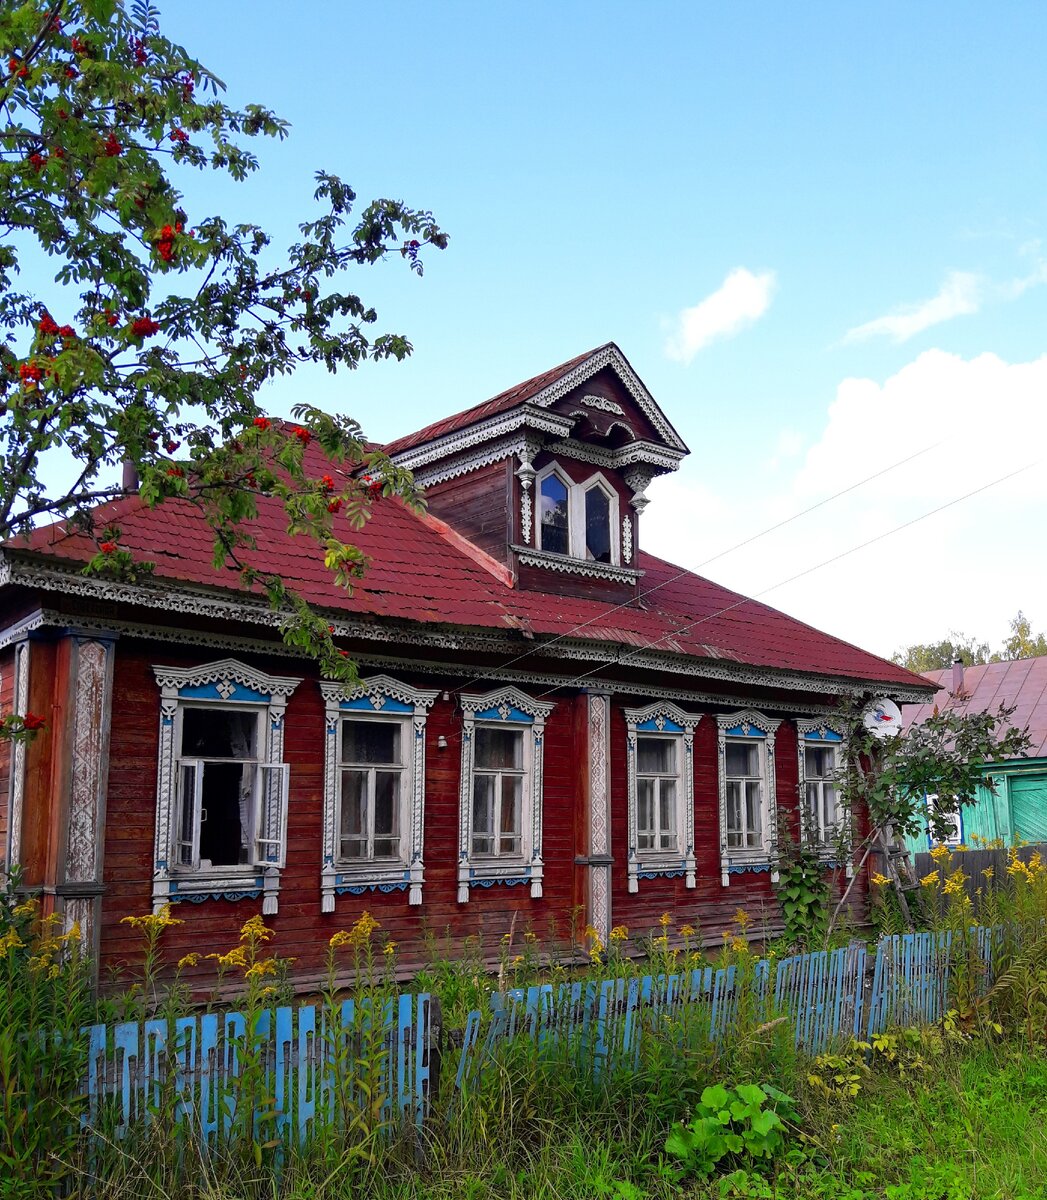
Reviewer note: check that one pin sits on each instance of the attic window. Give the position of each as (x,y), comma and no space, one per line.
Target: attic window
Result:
(597,525)
(554,516)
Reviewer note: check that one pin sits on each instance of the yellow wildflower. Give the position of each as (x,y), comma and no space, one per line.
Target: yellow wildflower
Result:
(266,992)
(361,931)
(961,848)
(256,930)
(339,939)
(10,941)
(1036,866)
(188,960)
(517,960)
(54,972)
(739,945)
(507,938)
(665,920)
(742,919)
(592,933)
(153,923)
(619,933)
(26,909)
(988,872)
(237,957)
(930,880)
(389,949)
(594,954)
(72,934)
(531,938)
(687,931)
(940,853)
(263,967)
(879,879)
(661,942)
(954,884)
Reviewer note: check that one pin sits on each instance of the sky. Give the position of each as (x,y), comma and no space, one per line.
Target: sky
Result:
(818,232)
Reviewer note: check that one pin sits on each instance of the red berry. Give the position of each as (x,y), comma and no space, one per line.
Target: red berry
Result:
(33,721)
(113,149)
(262,423)
(303,435)
(144,327)
(108,547)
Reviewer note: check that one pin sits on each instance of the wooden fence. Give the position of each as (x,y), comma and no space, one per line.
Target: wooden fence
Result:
(975,863)
(302,1066)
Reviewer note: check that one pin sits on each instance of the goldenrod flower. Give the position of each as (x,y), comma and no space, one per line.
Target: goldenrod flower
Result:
(364,926)
(26,909)
(739,945)
(592,933)
(687,931)
(940,853)
(153,923)
(665,920)
(517,960)
(531,938)
(339,939)
(188,960)
(256,930)
(10,941)
(988,872)
(954,884)
(389,949)
(619,933)
(72,934)
(879,879)
(263,967)
(742,919)
(930,880)
(237,957)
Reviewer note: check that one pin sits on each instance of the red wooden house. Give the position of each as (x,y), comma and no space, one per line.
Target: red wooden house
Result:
(551,721)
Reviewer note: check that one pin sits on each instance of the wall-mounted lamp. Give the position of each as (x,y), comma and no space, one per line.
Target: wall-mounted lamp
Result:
(441,742)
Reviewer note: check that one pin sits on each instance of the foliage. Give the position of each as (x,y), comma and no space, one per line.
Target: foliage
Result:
(937,656)
(164,321)
(746,1122)
(803,891)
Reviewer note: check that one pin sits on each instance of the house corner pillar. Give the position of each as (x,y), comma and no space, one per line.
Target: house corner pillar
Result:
(598,891)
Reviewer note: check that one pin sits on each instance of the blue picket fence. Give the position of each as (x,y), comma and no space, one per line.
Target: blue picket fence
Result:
(307,1062)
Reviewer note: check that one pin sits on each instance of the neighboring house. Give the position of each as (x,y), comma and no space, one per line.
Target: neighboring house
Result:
(1018,809)
(553,726)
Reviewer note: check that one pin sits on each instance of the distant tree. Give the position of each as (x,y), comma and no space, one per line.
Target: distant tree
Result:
(934,656)
(1022,643)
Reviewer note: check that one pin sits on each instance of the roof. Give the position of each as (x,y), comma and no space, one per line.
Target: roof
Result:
(422,571)
(512,397)
(1021,683)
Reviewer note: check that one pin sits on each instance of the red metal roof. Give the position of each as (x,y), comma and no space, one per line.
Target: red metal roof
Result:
(422,571)
(1021,683)
(518,394)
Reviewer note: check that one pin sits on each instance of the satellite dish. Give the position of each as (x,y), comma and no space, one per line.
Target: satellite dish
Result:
(883,718)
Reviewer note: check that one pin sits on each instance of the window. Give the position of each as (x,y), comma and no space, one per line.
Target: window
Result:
(500,810)
(951,824)
(748,812)
(823,819)
(374,789)
(579,520)
(661,793)
(553,515)
(222,790)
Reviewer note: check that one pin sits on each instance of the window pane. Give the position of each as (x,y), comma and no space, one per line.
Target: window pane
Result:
(753,816)
(831,809)
(483,814)
(820,761)
(741,759)
(371,742)
(667,806)
(510,816)
(218,733)
(656,756)
(734,813)
(498,749)
(386,804)
(353,818)
(185,824)
(645,813)
(813,805)
(597,525)
(552,503)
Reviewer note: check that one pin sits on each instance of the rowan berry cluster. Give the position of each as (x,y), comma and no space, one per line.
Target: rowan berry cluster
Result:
(144,327)
(113,148)
(165,241)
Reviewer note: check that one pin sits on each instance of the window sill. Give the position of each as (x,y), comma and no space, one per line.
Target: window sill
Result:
(741,862)
(652,865)
(218,883)
(504,872)
(528,556)
(354,879)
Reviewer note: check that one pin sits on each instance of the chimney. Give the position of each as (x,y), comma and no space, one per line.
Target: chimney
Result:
(957,676)
(130,476)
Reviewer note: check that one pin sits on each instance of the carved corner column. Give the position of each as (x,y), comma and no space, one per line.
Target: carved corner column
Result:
(89,717)
(16,792)
(599,860)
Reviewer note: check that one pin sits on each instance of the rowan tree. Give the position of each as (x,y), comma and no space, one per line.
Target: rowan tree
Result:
(148,341)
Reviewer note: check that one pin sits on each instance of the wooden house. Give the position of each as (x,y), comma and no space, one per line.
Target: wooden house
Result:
(1014,807)
(552,723)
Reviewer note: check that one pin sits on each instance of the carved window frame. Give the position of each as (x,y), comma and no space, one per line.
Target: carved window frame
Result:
(754,728)
(824,732)
(228,684)
(378,698)
(662,719)
(554,469)
(576,526)
(506,707)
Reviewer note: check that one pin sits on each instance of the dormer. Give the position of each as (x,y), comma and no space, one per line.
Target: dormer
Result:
(550,477)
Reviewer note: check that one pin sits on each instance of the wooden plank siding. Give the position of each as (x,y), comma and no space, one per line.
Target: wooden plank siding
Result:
(477,505)
(303,930)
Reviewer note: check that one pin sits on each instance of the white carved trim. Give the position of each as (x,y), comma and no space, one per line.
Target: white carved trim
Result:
(599,705)
(656,459)
(224,671)
(16,793)
(529,869)
(567,565)
(525,417)
(336,876)
(843,848)
(642,864)
(627,539)
(603,405)
(732,861)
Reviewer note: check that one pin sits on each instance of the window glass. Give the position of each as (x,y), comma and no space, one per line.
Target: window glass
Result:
(371,742)
(742,759)
(655,756)
(820,762)
(553,515)
(498,749)
(227,788)
(597,525)
(218,733)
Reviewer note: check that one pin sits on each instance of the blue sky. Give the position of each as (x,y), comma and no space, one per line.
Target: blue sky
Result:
(843,193)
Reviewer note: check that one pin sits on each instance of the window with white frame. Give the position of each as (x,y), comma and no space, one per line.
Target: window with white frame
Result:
(748,811)
(950,823)
(660,754)
(578,520)
(821,745)
(374,789)
(500,798)
(222,789)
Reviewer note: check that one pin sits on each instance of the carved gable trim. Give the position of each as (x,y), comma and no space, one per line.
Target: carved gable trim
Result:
(507,698)
(175,680)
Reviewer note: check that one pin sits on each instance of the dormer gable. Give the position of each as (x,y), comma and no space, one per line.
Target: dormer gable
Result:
(550,476)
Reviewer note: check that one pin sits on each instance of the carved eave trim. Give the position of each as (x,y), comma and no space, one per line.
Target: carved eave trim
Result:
(509,698)
(529,557)
(229,605)
(629,455)
(527,416)
(804,727)
(227,670)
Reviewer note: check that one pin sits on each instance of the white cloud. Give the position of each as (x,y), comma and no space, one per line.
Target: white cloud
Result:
(969,567)
(960,295)
(740,300)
